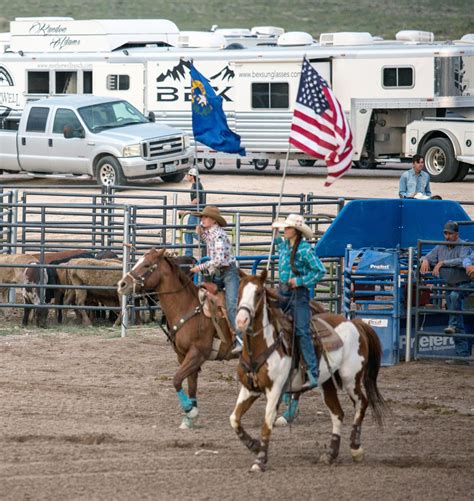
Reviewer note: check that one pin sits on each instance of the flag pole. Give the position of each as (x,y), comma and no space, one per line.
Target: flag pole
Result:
(282,187)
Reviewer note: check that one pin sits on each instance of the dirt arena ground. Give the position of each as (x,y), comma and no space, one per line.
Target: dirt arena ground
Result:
(94,416)
(86,415)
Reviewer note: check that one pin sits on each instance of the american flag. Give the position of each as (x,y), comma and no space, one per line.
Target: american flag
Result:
(319,126)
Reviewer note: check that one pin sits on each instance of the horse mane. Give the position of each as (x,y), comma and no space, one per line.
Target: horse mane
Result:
(183,277)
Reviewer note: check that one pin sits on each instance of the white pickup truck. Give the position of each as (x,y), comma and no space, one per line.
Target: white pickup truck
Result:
(105,138)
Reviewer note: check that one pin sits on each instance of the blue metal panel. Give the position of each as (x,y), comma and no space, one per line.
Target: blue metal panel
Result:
(389,223)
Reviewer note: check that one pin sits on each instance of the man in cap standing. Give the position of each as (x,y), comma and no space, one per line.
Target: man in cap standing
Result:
(447,262)
(222,265)
(198,199)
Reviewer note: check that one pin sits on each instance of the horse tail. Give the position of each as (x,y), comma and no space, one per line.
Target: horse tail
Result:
(377,403)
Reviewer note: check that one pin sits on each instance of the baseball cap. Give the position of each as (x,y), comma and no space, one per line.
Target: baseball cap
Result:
(451,227)
(193,172)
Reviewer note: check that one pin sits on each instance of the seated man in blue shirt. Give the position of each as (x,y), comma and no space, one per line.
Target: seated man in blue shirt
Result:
(415,183)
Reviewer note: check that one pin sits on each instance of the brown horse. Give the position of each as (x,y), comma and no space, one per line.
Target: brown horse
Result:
(265,367)
(191,332)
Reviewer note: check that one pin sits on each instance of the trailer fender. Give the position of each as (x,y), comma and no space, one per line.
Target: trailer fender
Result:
(441,133)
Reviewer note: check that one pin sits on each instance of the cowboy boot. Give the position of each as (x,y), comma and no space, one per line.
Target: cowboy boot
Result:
(309,356)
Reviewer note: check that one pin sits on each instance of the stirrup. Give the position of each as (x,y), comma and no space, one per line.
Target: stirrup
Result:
(311,383)
(237,346)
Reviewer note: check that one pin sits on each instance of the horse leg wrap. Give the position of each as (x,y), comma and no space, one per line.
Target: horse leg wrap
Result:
(185,402)
(292,410)
(355,436)
(334,447)
(252,444)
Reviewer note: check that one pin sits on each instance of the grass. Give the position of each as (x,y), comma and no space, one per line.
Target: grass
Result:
(448,20)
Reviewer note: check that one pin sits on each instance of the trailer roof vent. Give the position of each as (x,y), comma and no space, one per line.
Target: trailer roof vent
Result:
(201,39)
(295,38)
(414,36)
(468,37)
(234,32)
(267,31)
(346,38)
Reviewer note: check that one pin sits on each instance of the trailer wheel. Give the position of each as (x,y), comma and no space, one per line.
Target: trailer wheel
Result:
(365,163)
(238,163)
(463,171)
(260,163)
(277,164)
(304,162)
(209,163)
(109,172)
(173,178)
(440,162)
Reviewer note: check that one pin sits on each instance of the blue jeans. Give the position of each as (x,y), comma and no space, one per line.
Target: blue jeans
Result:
(228,279)
(189,236)
(454,301)
(295,302)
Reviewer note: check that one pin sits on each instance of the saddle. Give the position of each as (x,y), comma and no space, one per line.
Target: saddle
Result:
(324,335)
(213,307)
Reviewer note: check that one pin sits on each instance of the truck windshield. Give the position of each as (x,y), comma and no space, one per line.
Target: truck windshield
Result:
(110,115)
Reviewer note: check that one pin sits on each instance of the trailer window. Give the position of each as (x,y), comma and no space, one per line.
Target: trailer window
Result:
(270,95)
(399,77)
(38,82)
(65,117)
(37,119)
(66,82)
(87,82)
(118,82)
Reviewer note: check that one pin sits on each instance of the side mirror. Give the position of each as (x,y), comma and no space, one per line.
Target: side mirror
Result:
(68,131)
(151,116)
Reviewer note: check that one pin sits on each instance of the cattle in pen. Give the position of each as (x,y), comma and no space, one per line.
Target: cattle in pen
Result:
(100,273)
(12,271)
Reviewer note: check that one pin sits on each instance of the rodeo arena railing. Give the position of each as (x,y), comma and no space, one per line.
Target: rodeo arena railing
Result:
(125,225)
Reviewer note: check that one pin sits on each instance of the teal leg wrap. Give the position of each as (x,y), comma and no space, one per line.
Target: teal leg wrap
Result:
(292,409)
(185,402)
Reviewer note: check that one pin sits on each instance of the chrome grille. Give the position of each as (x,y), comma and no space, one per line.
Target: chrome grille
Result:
(161,147)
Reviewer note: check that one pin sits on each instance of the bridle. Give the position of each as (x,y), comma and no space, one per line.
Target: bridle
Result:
(139,281)
(252,310)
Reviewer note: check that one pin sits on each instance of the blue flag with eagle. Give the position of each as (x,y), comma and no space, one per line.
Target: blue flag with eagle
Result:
(209,120)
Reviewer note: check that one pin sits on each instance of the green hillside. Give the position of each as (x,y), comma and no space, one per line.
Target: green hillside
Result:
(448,20)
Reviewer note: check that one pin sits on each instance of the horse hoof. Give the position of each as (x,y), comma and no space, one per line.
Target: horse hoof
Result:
(257,468)
(327,459)
(357,455)
(281,421)
(186,424)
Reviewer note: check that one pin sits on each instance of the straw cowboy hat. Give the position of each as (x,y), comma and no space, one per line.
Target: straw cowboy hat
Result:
(295,221)
(213,213)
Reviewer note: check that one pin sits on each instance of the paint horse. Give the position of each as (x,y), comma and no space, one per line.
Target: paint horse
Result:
(192,333)
(265,367)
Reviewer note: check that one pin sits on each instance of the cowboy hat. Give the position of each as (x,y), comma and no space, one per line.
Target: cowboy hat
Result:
(213,213)
(295,221)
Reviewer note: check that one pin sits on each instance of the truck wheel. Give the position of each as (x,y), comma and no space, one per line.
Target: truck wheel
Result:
(440,162)
(277,164)
(209,163)
(304,162)
(261,163)
(109,172)
(463,171)
(173,178)
(365,164)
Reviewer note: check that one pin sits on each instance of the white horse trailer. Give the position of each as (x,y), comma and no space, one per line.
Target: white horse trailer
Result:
(407,96)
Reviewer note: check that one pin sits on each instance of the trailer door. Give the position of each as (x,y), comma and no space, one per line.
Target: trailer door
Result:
(121,81)
(265,95)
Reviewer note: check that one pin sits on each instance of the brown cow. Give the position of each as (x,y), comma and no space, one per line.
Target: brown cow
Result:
(92,278)
(13,275)
(47,276)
